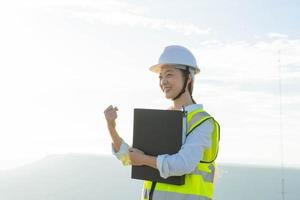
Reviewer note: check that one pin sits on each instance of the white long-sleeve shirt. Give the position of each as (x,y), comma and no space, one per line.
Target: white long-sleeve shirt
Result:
(190,153)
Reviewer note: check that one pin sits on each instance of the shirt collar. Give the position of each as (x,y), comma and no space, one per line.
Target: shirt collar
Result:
(192,107)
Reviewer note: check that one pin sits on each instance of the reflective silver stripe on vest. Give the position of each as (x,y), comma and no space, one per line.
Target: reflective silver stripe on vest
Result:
(164,195)
(196,117)
(207,176)
(146,193)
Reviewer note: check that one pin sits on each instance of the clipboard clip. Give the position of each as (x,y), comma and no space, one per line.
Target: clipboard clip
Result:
(184,111)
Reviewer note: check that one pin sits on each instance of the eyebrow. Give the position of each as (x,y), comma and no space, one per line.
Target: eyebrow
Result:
(169,70)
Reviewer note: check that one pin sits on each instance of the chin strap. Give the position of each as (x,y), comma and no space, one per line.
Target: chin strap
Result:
(185,82)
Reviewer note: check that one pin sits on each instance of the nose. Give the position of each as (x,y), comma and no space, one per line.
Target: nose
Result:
(163,81)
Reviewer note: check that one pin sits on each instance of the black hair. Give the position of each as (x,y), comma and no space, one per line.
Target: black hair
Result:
(185,73)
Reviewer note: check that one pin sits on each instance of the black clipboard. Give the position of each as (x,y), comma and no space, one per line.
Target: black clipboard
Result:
(157,132)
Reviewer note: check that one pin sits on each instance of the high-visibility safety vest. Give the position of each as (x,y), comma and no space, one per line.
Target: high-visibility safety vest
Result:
(199,183)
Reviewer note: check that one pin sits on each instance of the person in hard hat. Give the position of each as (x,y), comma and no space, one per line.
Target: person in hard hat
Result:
(196,158)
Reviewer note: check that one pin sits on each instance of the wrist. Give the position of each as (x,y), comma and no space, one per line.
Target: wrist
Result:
(144,159)
(149,161)
(111,125)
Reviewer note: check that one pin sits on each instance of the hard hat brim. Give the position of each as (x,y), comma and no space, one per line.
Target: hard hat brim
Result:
(156,68)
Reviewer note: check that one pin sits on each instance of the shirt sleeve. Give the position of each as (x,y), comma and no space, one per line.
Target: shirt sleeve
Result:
(191,152)
(122,154)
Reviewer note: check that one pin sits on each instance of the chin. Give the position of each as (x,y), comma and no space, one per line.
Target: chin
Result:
(169,96)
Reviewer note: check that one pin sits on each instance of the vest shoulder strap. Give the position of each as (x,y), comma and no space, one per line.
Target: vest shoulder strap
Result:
(195,119)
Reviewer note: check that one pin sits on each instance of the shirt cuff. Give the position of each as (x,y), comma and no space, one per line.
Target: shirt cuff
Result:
(122,154)
(159,165)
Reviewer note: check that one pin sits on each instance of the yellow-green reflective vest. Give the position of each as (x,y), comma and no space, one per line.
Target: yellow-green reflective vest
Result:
(199,183)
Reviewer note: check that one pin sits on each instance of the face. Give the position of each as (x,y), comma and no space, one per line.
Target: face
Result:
(171,81)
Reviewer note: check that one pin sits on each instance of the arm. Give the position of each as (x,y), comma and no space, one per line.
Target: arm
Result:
(119,147)
(116,139)
(189,155)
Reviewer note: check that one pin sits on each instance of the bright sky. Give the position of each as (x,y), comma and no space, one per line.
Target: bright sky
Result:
(62,62)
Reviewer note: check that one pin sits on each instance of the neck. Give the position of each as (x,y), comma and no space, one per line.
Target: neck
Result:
(184,100)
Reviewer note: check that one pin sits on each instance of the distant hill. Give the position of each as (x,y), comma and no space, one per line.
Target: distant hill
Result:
(70,177)
(97,177)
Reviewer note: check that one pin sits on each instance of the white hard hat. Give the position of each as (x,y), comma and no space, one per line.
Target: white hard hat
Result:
(177,55)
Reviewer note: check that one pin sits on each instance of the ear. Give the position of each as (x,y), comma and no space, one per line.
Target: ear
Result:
(189,79)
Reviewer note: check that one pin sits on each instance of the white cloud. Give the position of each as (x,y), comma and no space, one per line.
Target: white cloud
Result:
(249,60)
(119,13)
(276,35)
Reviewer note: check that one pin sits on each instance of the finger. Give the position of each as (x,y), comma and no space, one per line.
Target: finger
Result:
(131,149)
(108,108)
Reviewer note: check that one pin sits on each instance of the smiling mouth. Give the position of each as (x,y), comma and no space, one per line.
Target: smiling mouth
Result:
(166,89)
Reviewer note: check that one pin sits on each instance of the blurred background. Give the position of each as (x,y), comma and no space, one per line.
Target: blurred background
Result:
(63,62)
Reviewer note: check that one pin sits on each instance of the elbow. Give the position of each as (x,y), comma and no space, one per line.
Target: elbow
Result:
(190,169)
(186,168)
